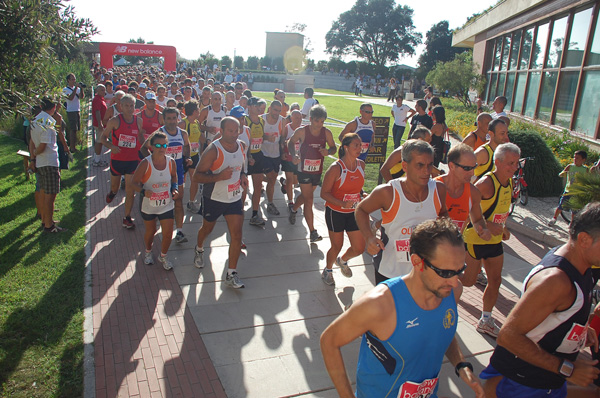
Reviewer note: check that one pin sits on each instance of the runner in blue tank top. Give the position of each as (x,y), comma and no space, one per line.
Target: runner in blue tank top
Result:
(407,324)
(364,126)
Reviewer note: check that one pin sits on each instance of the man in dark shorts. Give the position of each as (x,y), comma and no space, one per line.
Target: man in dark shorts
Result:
(73,93)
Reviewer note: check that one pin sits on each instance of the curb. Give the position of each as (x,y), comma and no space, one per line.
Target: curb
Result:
(533,234)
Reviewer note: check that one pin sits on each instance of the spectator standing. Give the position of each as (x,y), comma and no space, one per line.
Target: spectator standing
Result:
(392,93)
(400,112)
(73,92)
(98,112)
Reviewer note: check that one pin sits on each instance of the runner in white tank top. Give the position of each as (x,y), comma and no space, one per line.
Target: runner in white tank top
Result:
(271,148)
(210,118)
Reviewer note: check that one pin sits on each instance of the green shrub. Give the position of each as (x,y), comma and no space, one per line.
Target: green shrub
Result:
(564,146)
(585,189)
(541,174)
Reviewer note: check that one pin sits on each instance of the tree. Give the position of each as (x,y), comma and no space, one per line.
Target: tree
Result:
(438,48)
(300,28)
(457,76)
(238,62)
(252,62)
(377,31)
(226,61)
(266,62)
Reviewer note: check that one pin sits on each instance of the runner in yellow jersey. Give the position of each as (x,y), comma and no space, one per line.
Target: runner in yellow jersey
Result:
(498,132)
(197,140)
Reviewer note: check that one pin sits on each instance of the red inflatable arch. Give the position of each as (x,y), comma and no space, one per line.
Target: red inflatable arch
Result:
(107,50)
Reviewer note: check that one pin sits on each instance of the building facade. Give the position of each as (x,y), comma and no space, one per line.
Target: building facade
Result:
(544,57)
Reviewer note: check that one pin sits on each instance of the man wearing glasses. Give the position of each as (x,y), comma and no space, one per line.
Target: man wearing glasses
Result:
(407,323)
(364,126)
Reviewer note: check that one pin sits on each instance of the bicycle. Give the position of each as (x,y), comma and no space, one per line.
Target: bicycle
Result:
(520,193)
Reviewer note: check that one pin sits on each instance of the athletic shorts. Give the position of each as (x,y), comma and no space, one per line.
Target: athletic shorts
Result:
(74,121)
(195,160)
(167,215)
(564,199)
(289,167)
(509,388)
(49,178)
(258,166)
(271,164)
(340,222)
(305,178)
(123,167)
(479,252)
(212,209)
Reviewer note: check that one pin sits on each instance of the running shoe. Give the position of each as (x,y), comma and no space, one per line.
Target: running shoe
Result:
(243,246)
(327,277)
(482,279)
(180,237)
(283,188)
(257,220)
(315,237)
(292,216)
(234,281)
(552,222)
(199,258)
(165,262)
(193,207)
(128,222)
(346,271)
(122,182)
(148,259)
(271,209)
(54,229)
(110,196)
(488,327)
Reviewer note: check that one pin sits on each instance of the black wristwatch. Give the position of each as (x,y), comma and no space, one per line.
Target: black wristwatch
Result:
(461,365)
(566,368)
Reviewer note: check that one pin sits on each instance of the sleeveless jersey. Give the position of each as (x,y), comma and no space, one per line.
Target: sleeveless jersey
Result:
(495,209)
(272,149)
(213,119)
(397,170)
(194,133)
(175,149)
(397,223)
(348,186)
(289,132)
(230,190)
(408,363)
(159,182)
(481,169)
(562,333)
(126,138)
(311,160)
(458,208)
(365,132)
(478,141)
(257,131)
(245,136)
(149,124)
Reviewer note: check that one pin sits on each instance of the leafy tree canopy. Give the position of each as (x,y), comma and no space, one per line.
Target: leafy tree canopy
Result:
(438,48)
(378,31)
(457,76)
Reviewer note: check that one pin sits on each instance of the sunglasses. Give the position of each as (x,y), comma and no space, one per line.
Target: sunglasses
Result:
(368,112)
(161,146)
(466,168)
(443,273)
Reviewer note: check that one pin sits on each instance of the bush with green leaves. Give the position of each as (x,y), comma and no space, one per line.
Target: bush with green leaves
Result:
(585,189)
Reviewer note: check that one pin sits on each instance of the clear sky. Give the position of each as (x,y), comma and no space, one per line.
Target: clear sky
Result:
(222,27)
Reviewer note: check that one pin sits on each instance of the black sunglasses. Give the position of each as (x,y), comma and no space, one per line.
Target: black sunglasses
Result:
(466,168)
(161,145)
(444,273)
(368,112)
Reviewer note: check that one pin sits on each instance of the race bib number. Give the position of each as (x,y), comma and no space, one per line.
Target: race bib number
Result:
(127,141)
(312,164)
(176,152)
(352,197)
(234,190)
(195,146)
(364,147)
(574,340)
(500,218)
(160,199)
(256,144)
(418,390)
(156,125)
(403,250)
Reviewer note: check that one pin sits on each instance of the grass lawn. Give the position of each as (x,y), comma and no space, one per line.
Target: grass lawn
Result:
(41,283)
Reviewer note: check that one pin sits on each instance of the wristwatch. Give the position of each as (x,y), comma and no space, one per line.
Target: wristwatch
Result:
(566,368)
(461,365)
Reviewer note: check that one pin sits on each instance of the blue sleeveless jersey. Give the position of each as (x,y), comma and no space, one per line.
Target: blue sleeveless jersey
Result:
(365,132)
(408,363)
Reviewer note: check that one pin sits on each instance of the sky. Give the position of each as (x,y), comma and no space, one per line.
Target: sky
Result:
(232,28)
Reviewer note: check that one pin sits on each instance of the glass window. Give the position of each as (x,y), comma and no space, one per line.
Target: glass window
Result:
(594,57)
(492,86)
(540,47)
(548,88)
(532,93)
(519,92)
(565,99)
(577,40)
(589,104)
(556,43)
(501,79)
(514,52)
(526,51)
(505,52)
(497,53)
(510,82)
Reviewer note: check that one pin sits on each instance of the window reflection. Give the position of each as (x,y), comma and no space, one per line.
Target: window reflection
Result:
(505,52)
(589,105)
(492,86)
(501,79)
(526,50)
(577,40)
(565,99)
(594,57)
(510,82)
(514,52)
(556,43)
(547,96)
(532,93)
(539,51)
(519,92)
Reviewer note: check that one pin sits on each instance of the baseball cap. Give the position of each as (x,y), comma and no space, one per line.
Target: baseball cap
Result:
(238,111)
(194,79)
(150,95)
(143,85)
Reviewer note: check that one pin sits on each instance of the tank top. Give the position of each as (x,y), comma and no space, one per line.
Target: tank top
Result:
(311,160)
(365,132)
(408,363)
(458,208)
(149,124)
(348,186)
(257,132)
(245,136)
(289,131)
(194,133)
(495,209)
(478,141)
(175,148)
(562,333)
(396,171)
(482,169)
(159,182)
(230,190)
(126,138)
(272,149)
(397,223)
(214,120)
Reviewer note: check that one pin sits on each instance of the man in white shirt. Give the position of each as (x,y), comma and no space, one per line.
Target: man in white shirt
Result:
(400,112)
(498,107)
(309,101)
(73,95)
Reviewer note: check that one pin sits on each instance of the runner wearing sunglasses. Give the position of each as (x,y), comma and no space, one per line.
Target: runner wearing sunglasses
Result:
(407,323)
(364,126)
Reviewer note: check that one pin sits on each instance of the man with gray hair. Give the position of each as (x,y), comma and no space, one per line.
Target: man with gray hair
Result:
(496,192)
(404,203)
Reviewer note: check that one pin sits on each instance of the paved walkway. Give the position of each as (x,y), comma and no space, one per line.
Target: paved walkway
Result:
(183,333)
